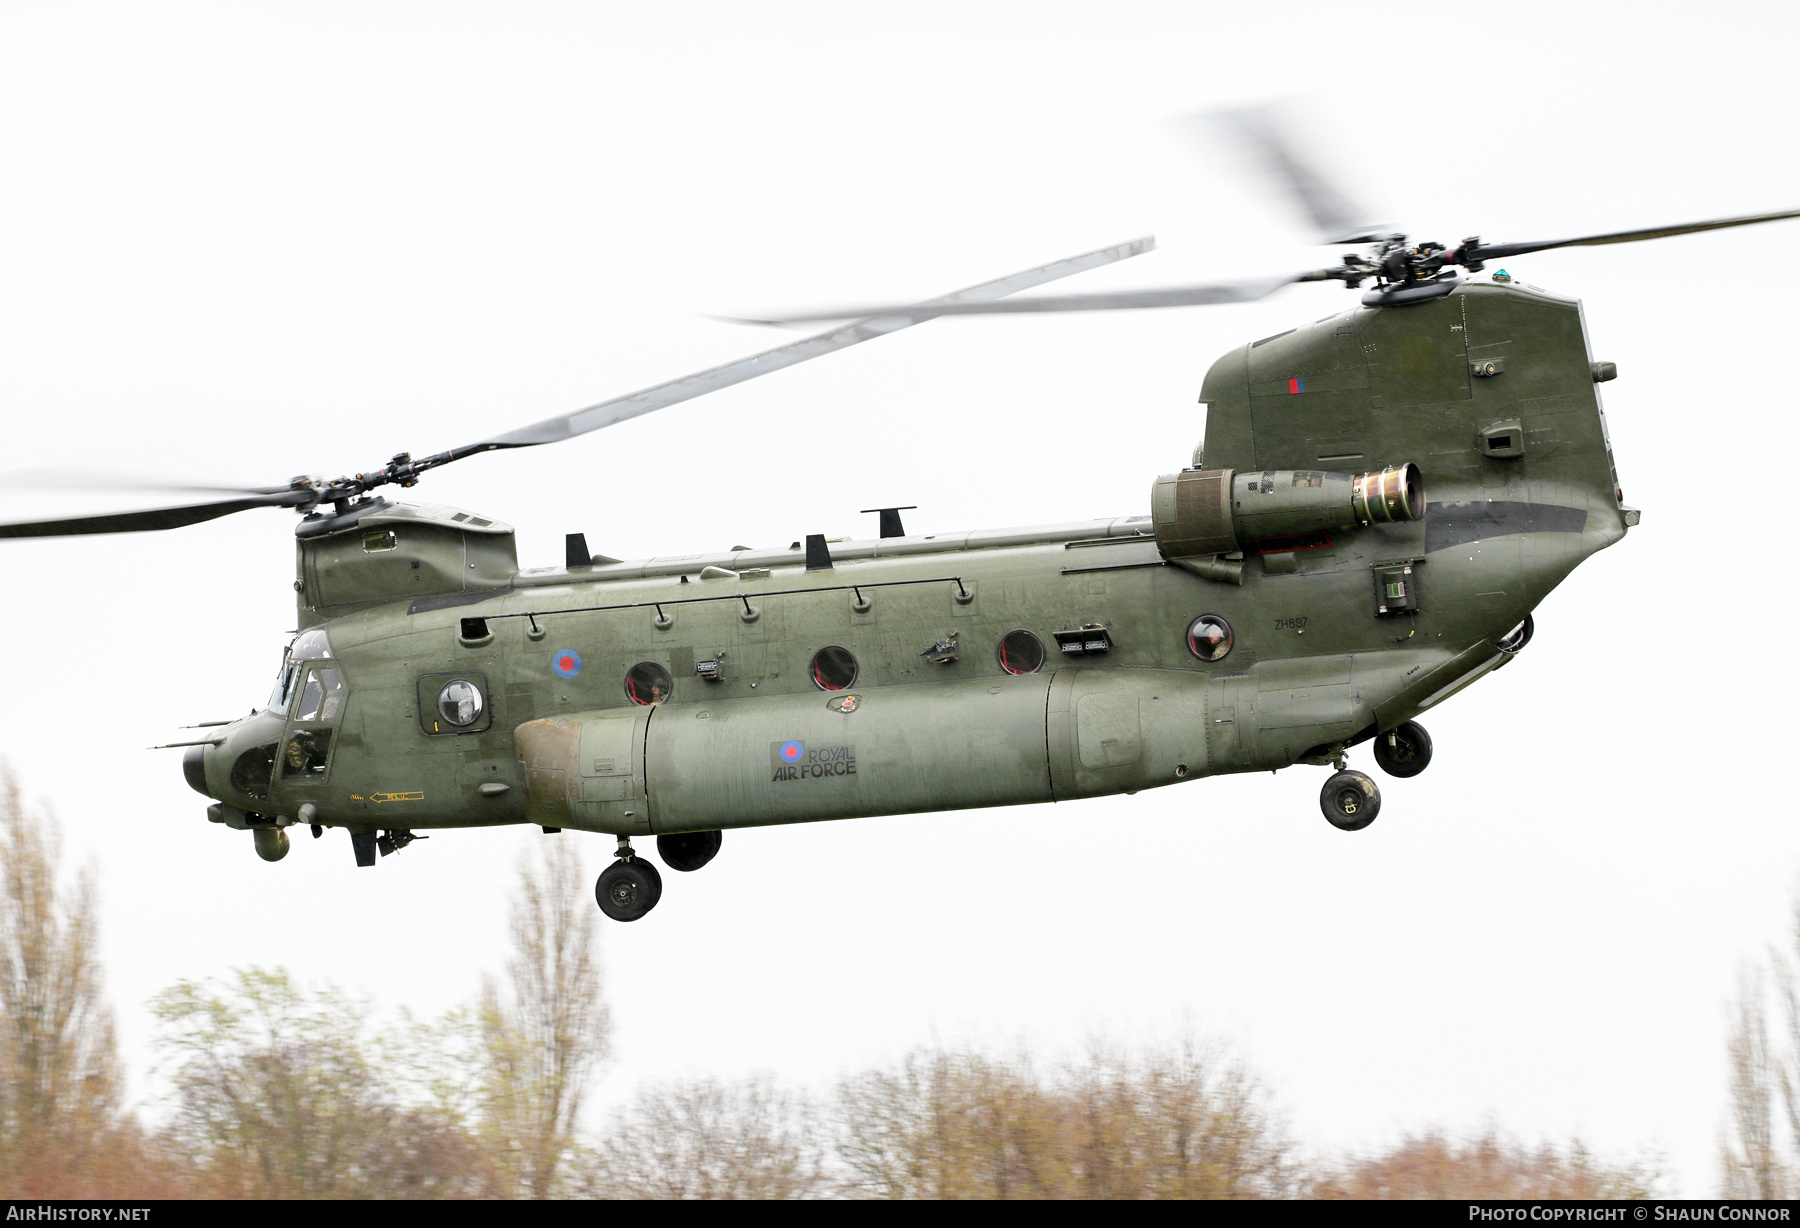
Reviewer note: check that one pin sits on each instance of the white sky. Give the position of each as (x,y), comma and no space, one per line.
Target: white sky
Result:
(239,242)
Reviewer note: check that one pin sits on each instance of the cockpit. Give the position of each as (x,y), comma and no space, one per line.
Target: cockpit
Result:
(309,689)
(309,697)
(287,742)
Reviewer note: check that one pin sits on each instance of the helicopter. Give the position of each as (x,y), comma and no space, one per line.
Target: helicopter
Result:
(1290,594)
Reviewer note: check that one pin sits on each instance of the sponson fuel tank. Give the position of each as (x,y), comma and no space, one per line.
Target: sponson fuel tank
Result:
(887,750)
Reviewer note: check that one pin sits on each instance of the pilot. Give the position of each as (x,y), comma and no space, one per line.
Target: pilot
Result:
(299,753)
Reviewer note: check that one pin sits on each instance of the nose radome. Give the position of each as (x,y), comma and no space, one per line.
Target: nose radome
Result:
(193,766)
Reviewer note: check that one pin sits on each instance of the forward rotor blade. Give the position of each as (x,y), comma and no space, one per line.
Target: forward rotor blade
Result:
(1115,300)
(1337,217)
(1500,251)
(155,518)
(890,320)
(100,479)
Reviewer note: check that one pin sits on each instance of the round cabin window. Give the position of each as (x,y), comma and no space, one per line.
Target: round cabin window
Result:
(648,683)
(459,703)
(1021,652)
(833,669)
(1209,637)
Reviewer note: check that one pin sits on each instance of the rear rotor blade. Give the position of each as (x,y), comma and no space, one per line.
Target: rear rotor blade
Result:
(1500,251)
(1334,214)
(890,320)
(154,518)
(1171,296)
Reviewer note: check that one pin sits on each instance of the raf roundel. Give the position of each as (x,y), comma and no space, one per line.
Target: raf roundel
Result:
(791,752)
(566,662)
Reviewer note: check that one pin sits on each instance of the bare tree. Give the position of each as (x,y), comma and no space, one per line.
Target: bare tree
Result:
(547,1034)
(1751,1160)
(1171,1121)
(709,1139)
(1486,1165)
(60,1078)
(280,1092)
(943,1123)
(1759,1156)
(1176,1120)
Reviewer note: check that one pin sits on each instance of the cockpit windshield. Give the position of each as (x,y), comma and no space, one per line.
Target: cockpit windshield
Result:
(284,682)
(308,646)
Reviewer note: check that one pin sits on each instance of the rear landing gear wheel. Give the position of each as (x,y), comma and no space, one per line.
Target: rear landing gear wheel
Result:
(626,890)
(1517,638)
(1350,801)
(689,850)
(1404,750)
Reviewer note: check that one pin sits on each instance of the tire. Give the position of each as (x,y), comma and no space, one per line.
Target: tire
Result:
(626,890)
(689,850)
(1350,801)
(1514,641)
(1410,753)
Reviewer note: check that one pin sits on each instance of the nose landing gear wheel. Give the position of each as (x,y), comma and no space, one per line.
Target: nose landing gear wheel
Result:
(626,890)
(1404,750)
(1350,801)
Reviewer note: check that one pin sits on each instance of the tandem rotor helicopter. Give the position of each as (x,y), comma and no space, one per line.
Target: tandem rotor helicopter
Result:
(1380,500)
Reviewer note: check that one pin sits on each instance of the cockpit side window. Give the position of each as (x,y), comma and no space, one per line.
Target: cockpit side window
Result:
(307,752)
(307,709)
(310,645)
(322,696)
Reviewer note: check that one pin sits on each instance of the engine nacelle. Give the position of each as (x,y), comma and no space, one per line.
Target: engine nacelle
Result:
(1207,512)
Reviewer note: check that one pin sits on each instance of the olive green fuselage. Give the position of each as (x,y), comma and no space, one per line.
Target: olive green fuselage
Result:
(1323,653)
